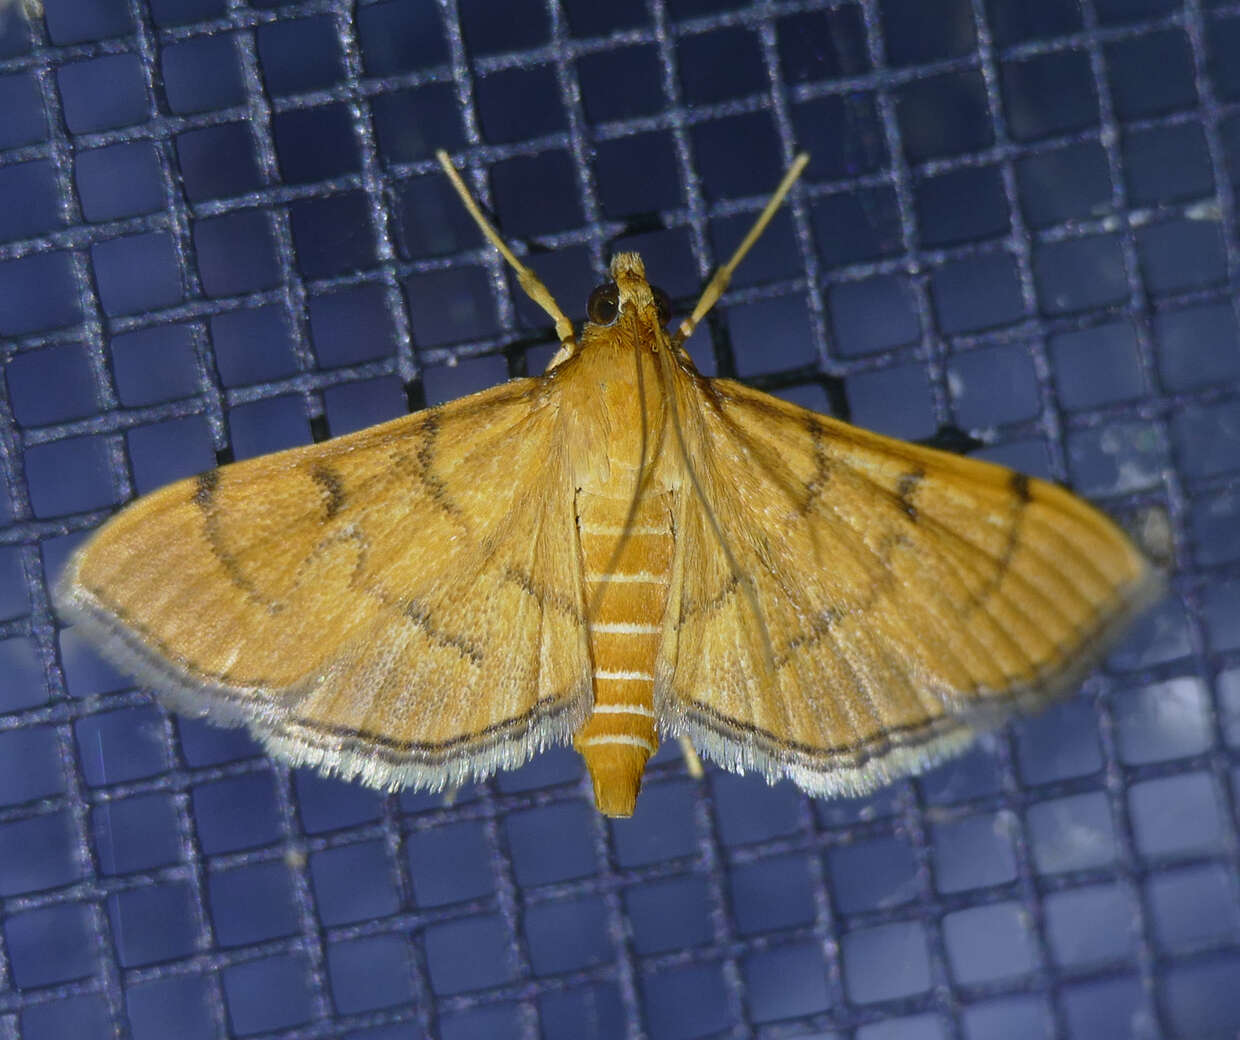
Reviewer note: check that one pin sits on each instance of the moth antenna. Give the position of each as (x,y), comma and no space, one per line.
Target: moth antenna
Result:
(530,282)
(718,285)
(733,564)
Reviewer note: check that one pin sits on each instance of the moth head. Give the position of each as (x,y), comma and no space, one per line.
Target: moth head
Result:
(628,293)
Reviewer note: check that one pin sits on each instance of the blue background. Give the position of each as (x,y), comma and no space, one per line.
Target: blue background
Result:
(222,232)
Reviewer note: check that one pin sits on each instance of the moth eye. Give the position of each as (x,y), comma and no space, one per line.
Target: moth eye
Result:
(603,304)
(663,303)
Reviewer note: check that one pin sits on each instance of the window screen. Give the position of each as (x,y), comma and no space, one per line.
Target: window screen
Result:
(223,232)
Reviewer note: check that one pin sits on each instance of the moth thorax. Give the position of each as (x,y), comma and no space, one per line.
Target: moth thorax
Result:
(627,563)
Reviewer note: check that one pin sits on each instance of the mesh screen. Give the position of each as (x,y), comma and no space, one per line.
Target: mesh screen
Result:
(222,232)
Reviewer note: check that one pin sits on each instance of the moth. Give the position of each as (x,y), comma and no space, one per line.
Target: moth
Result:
(615,551)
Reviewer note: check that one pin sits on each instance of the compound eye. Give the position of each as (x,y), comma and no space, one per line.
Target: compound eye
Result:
(603,304)
(663,304)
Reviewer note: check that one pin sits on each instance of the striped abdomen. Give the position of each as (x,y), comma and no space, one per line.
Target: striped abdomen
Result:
(627,572)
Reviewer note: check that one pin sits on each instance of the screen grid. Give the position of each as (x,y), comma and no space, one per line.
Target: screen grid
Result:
(226,234)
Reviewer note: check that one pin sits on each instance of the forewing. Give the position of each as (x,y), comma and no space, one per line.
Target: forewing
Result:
(403,604)
(849,608)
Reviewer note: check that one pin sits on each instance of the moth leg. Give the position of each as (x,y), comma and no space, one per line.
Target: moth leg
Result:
(693,764)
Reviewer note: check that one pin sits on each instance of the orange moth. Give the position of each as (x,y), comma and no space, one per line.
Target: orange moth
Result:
(615,551)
